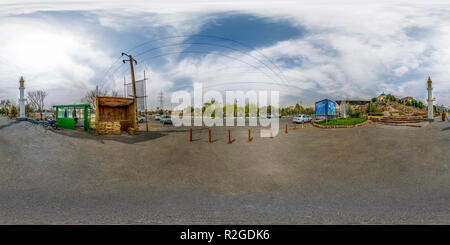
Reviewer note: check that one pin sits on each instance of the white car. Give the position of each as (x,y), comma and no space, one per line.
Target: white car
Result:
(158,117)
(301,118)
(141,119)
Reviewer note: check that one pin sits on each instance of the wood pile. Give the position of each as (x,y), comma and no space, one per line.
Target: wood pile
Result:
(108,128)
(132,131)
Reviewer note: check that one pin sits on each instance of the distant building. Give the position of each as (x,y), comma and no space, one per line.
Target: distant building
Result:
(325,108)
(353,102)
(407,99)
(381,97)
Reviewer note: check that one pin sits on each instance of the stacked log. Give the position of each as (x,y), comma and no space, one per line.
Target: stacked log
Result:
(101,128)
(108,128)
(132,131)
(116,128)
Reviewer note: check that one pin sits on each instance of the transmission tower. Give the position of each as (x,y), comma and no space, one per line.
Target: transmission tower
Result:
(161,100)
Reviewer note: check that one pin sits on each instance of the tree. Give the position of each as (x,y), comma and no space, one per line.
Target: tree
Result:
(6,104)
(420,105)
(91,96)
(114,93)
(29,108)
(14,111)
(371,108)
(308,111)
(37,98)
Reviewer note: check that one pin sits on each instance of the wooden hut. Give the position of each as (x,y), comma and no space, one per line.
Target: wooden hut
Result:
(114,115)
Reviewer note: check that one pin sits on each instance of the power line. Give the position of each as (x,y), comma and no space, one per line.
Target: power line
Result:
(217,45)
(212,37)
(203,52)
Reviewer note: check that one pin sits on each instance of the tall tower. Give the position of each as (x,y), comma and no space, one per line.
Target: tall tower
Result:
(430,100)
(22,98)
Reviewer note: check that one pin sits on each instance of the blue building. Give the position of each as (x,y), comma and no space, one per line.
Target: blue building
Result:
(325,108)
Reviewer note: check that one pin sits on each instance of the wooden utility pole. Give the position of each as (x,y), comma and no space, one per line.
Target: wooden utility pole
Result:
(133,83)
(145,101)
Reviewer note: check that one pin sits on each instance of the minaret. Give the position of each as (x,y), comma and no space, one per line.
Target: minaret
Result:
(22,98)
(430,100)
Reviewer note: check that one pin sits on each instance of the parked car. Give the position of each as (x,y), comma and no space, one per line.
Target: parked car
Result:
(166,119)
(301,118)
(158,117)
(141,119)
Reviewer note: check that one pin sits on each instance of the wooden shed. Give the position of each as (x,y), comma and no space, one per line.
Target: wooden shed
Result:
(114,115)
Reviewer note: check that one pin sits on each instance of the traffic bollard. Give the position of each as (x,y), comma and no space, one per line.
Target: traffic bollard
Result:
(209,136)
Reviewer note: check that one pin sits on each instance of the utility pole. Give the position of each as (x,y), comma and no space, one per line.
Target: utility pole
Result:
(133,83)
(145,101)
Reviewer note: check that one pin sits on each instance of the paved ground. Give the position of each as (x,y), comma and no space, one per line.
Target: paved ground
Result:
(369,175)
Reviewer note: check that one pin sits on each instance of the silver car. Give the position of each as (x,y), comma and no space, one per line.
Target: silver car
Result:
(301,118)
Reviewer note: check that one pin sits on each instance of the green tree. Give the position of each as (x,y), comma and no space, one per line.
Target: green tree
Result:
(14,111)
(420,105)
(308,111)
(371,108)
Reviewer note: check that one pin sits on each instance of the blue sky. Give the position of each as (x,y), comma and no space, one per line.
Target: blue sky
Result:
(308,51)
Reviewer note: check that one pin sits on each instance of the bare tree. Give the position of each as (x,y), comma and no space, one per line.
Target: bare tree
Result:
(90,96)
(2,103)
(7,105)
(114,93)
(37,99)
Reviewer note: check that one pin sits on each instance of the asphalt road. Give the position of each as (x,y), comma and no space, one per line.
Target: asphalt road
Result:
(369,175)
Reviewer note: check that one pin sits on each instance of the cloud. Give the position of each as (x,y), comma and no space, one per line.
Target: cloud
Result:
(347,49)
(50,56)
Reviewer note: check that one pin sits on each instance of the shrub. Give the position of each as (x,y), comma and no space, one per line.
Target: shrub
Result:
(376,114)
(341,121)
(356,114)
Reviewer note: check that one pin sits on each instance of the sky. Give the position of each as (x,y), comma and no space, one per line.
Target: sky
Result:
(307,50)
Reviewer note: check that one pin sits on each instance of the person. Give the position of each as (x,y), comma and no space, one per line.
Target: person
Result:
(74,115)
(444,115)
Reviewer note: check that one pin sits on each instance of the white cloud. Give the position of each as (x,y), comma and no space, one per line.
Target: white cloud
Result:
(50,57)
(351,49)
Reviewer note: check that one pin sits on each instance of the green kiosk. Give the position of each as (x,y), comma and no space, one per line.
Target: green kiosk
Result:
(72,116)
